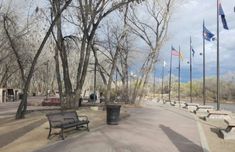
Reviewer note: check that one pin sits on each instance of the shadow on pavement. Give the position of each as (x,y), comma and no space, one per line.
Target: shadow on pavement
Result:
(217,132)
(182,144)
(13,135)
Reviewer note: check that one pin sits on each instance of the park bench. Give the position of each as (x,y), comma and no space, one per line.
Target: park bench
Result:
(217,114)
(64,120)
(229,132)
(202,108)
(166,101)
(178,104)
(191,106)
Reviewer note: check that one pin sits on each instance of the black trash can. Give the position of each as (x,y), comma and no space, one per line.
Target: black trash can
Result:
(113,112)
(93,97)
(20,96)
(80,102)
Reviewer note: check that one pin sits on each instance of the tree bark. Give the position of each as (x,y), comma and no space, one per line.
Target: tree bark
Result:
(108,94)
(23,104)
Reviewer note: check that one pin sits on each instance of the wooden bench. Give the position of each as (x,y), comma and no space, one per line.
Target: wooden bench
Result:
(229,132)
(64,120)
(216,114)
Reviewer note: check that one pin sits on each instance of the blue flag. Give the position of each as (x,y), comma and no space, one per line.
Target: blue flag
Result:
(207,34)
(221,13)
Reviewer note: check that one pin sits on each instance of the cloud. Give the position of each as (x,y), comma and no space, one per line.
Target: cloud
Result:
(187,21)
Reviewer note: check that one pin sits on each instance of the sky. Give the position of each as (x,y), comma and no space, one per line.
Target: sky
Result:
(187,21)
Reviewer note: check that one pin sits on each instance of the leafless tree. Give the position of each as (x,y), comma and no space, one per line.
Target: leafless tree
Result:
(89,16)
(27,78)
(153,33)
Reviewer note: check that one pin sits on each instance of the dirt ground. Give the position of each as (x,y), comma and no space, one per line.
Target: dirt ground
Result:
(29,134)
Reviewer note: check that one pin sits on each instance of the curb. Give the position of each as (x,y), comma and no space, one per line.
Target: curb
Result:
(204,144)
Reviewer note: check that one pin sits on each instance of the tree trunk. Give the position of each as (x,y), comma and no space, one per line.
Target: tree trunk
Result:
(23,104)
(108,93)
(58,77)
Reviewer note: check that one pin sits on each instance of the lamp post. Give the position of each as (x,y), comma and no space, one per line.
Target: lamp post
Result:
(132,76)
(95,55)
(47,64)
(154,82)
(163,70)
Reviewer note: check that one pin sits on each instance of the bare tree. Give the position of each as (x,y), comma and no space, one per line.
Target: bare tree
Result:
(23,104)
(60,51)
(154,35)
(89,16)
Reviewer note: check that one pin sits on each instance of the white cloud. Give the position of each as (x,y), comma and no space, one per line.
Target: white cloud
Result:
(187,20)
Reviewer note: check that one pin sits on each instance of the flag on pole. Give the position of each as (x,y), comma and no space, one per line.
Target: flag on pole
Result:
(181,55)
(221,13)
(193,51)
(164,63)
(174,52)
(207,34)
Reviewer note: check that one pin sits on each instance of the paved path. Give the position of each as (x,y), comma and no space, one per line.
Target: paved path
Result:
(8,109)
(150,129)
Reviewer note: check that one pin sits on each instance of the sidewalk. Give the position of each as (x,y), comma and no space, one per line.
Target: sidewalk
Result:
(8,109)
(152,128)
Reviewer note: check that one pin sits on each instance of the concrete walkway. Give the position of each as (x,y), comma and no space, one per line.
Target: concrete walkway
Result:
(8,109)
(153,128)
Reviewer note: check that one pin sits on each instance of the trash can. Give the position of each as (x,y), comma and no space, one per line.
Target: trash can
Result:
(20,96)
(80,102)
(113,112)
(93,97)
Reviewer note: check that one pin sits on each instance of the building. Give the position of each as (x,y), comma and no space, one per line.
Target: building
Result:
(9,95)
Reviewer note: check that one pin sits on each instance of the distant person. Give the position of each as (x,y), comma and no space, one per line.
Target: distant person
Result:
(101,97)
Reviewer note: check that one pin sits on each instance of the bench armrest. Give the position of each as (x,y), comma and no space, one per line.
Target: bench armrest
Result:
(83,117)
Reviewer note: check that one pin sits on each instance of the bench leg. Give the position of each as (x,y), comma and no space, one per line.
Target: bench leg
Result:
(49,134)
(87,127)
(62,133)
(228,129)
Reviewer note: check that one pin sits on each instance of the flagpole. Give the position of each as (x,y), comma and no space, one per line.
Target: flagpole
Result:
(170,78)
(162,80)
(190,69)
(204,71)
(179,78)
(218,58)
